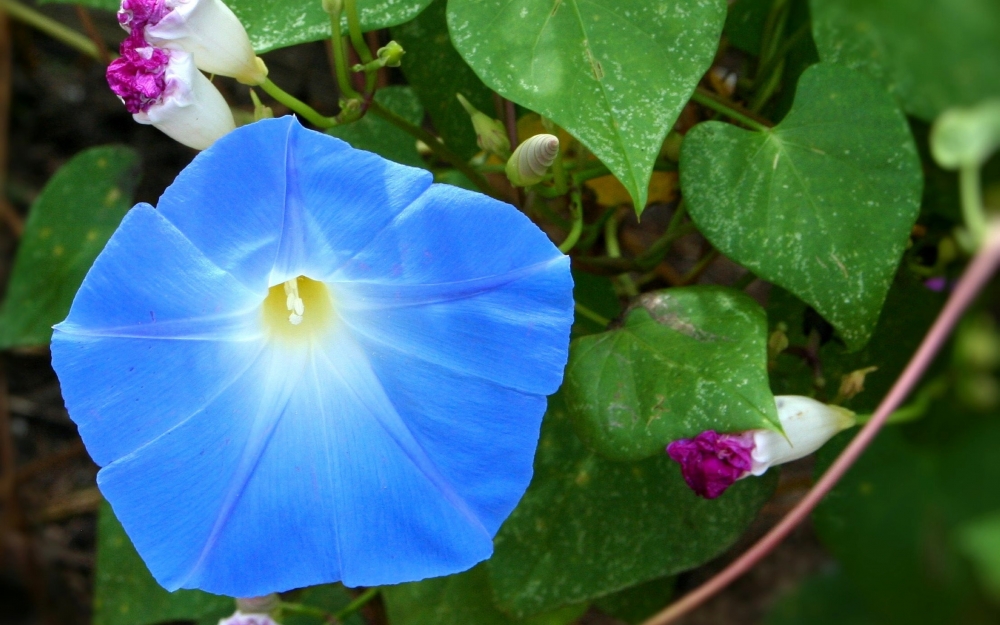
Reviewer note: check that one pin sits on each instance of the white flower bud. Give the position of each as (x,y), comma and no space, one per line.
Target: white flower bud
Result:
(190,110)
(808,425)
(531,160)
(209,31)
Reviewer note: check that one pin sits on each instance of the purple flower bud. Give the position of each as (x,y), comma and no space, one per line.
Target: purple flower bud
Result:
(163,88)
(711,462)
(137,76)
(135,14)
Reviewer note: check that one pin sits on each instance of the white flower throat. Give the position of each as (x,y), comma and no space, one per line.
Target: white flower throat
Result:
(293,302)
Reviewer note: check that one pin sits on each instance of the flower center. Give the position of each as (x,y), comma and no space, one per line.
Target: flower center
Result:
(298,309)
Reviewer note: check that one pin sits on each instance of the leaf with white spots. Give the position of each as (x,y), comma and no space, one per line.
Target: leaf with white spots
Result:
(614,73)
(67,227)
(273,24)
(588,526)
(686,360)
(822,204)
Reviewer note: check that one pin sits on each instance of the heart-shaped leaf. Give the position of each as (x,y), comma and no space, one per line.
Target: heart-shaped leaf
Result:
(931,53)
(822,204)
(614,73)
(588,526)
(687,360)
(67,227)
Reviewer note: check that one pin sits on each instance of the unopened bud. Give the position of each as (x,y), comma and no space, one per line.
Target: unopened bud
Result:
(531,160)
(491,135)
(391,54)
(711,462)
(212,34)
(853,383)
(165,89)
(966,137)
(260,111)
(807,424)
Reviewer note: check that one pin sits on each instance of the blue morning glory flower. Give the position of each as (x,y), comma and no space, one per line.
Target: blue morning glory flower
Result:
(310,364)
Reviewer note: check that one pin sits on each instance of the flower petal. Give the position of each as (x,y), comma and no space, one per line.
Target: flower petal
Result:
(160,326)
(492,301)
(320,463)
(274,183)
(337,201)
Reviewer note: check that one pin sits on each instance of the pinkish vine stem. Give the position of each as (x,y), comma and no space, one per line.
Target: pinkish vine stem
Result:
(975,277)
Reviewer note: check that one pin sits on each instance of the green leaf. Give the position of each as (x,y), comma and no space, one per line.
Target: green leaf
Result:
(687,360)
(588,526)
(909,311)
(826,599)
(377,135)
(67,227)
(436,72)
(462,599)
(613,73)
(636,604)
(822,204)
(273,24)
(932,54)
(126,594)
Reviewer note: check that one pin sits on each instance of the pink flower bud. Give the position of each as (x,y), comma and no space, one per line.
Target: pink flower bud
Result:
(208,30)
(712,462)
(165,89)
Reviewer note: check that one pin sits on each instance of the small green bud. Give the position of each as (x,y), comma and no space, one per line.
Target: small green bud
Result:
(333,7)
(259,110)
(532,159)
(491,135)
(966,137)
(391,54)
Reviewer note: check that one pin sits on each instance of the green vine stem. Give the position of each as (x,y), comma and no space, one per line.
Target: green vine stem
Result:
(970,191)
(339,53)
(361,601)
(435,146)
(709,100)
(576,209)
(614,251)
(54,29)
(590,314)
(298,105)
(359,43)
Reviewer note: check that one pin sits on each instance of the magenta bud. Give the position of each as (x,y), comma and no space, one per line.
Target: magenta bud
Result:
(711,462)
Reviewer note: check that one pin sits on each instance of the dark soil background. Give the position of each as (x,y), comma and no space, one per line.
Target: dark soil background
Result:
(55,102)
